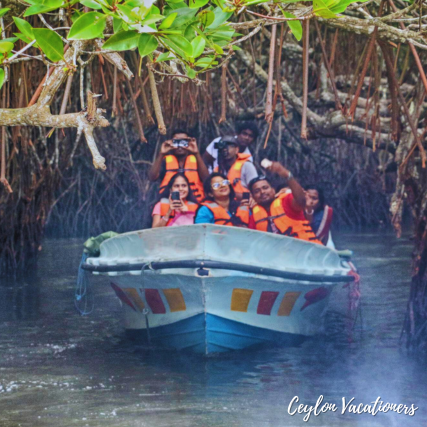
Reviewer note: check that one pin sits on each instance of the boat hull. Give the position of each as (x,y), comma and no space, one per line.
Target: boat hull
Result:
(221,313)
(209,288)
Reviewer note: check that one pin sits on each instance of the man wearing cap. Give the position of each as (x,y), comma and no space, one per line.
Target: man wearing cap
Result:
(281,214)
(237,167)
(246,134)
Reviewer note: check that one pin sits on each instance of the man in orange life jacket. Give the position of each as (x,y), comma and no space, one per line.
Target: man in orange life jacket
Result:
(282,214)
(180,154)
(237,167)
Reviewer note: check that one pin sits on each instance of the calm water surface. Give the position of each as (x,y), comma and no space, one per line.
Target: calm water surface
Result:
(60,369)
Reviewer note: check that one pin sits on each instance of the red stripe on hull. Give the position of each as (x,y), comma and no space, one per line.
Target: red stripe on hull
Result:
(154,300)
(266,302)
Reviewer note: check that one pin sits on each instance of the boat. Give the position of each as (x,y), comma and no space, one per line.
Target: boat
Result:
(211,288)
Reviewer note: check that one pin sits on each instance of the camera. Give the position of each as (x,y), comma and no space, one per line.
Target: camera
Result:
(245,195)
(224,142)
(184,142)
(175,195)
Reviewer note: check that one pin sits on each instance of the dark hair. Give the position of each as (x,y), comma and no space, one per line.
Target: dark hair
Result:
(176,131)
(208,189)
(256,179)
(167,191)
(240,127)
(321,195)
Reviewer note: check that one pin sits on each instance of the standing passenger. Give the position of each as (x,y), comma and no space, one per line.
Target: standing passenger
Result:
(236,166)
(220,206)
(283,214)
(246,134)
(180,154)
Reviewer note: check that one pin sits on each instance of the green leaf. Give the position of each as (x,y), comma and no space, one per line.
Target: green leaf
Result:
(5,47)
(89,26)
(295,26)
(152,18)
(117,25)
(204,62)
(198,45)
(341,6)
(218,49)
(24,39)
(320,9)
(168,21)
(50,43)
(147,43)
(43,6)
(124,40)
(162,57)
(76,15)
(206,17)
(220,17)
(179,44)
(196,4)
(185,15)
(3,12)
(91,4)
(190,72)
(234,47)
(1,77)
(25,28)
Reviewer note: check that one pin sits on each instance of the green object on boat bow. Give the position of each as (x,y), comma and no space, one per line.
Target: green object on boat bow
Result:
(91,246)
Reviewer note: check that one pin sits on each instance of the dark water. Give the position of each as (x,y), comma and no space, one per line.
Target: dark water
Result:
(60,369)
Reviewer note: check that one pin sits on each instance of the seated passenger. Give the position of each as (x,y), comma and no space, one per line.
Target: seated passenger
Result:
(319,214)
(180,154)
(177,205)
(283,214)
(238,167)
(220,206)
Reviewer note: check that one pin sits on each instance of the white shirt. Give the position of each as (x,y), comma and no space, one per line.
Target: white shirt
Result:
(214,153)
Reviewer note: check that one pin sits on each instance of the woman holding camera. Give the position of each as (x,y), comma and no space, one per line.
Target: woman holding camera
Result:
(177,205)
(220,206)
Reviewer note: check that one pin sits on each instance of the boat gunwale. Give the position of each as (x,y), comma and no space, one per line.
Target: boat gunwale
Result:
(220,265)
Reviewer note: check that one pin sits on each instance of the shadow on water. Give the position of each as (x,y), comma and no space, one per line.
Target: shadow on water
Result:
(60,369)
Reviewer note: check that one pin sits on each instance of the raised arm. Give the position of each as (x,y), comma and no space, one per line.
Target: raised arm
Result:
(298,202)
(201,166)
(154,172)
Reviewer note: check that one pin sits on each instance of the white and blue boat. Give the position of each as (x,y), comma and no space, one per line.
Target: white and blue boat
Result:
(210,288)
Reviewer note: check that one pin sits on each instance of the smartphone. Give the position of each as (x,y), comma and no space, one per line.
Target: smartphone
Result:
(175,195)
(246,196)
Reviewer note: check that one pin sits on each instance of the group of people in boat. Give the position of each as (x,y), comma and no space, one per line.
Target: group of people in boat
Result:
(224,187)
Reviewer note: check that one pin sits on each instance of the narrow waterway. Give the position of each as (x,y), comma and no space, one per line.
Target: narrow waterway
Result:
(60,369)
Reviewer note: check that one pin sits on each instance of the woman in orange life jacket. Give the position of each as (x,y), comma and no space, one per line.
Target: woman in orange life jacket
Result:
(220,206)
(169,212)
(281,214)
(319,214)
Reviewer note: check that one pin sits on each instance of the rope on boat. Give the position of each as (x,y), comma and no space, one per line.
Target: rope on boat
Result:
(83,295)
(145,311)
(354,304)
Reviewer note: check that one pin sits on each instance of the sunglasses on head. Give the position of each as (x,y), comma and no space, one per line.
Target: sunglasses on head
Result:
(217,185)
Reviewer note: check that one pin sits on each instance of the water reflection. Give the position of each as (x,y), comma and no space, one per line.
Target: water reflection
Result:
(19,300)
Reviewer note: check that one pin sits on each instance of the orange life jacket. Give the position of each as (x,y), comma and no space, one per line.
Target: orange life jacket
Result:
(235,173)
(164,207)
(300,229)
(190,171)
(222,217)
